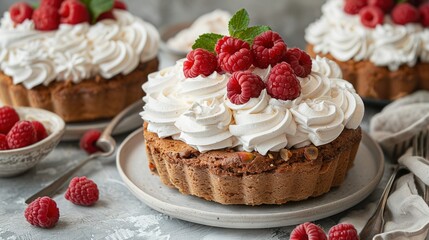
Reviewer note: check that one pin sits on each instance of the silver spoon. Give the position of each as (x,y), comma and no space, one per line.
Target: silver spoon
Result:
(105,142)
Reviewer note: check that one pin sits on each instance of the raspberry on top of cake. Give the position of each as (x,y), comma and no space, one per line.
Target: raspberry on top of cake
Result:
(71,40)
(251,91)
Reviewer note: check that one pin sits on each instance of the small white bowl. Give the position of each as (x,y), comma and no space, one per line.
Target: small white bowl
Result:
(16,161)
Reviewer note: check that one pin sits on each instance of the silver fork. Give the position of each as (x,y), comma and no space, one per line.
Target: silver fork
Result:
(375,224)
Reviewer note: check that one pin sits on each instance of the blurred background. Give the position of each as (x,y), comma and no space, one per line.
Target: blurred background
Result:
(288,17)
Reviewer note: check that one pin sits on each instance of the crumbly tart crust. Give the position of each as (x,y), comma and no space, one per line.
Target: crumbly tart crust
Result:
(91,99)
(375,82)
(221,176)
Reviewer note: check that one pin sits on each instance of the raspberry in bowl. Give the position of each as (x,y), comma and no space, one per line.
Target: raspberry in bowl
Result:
(27,135)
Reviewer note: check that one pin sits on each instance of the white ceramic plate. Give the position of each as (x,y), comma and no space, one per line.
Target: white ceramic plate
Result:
(74,131)
(361,180)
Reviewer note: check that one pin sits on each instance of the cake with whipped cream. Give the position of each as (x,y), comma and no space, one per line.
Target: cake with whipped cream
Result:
(381,46)
(246,120)
(80,60)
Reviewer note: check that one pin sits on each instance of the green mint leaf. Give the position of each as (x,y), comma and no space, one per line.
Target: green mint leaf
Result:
(250,33)
(86,2)
(97,7)
(239,22)
(207,41)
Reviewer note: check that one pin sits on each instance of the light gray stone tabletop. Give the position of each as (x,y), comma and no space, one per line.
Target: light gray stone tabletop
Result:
(118,214)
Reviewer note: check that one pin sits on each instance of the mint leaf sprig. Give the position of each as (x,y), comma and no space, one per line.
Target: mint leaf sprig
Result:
(238,27)
(97,7)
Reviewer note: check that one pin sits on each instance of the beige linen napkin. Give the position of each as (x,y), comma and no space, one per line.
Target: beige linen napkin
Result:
(407,214)
(401,120)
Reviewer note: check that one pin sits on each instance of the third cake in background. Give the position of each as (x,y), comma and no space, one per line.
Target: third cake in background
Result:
(382,46)
(215,22)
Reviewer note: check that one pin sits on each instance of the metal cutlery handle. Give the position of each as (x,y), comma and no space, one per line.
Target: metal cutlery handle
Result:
(375,224)
(105,142)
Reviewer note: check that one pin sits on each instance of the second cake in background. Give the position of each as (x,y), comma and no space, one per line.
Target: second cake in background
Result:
(382,47)
(63,58)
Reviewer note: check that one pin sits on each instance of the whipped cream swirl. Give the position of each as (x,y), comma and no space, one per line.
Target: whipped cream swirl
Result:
(197,111)
(314,85)
(76,52)
(322,120)
(30,66)
(326,67)
(262,124)
(345,38)
(205,125)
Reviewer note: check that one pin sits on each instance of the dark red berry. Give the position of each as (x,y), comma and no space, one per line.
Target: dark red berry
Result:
(300,61)
(21,135)
(199,62)
(404,13)
(371,16)
(88,141)
(244,85)
(268,49)
(233,54)
(354,6)
(282,82)
(42,212)
(82,191)
(20,11)
(74,12)
(46,18)
(8,118)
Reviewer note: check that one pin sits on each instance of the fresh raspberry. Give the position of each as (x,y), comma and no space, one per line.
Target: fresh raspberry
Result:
(371,16)
(106,15)
(82,191)
(242,86)
(233,54)
(199,62)
(46,18)
(20,11)
(3,142)
(308,231)
(385,5)
(8,118)
(21,135)
(74,12)
(40,130)
(52,3)
(300,61)
(268,49)
(404,13)
(354,6)
(424,14)
(88,141)
(42,212)
(343,231)
(120,5)
(282,82)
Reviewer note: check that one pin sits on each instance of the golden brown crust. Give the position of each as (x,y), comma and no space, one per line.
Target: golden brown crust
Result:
(375,82)
(91,99)
(222,177)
